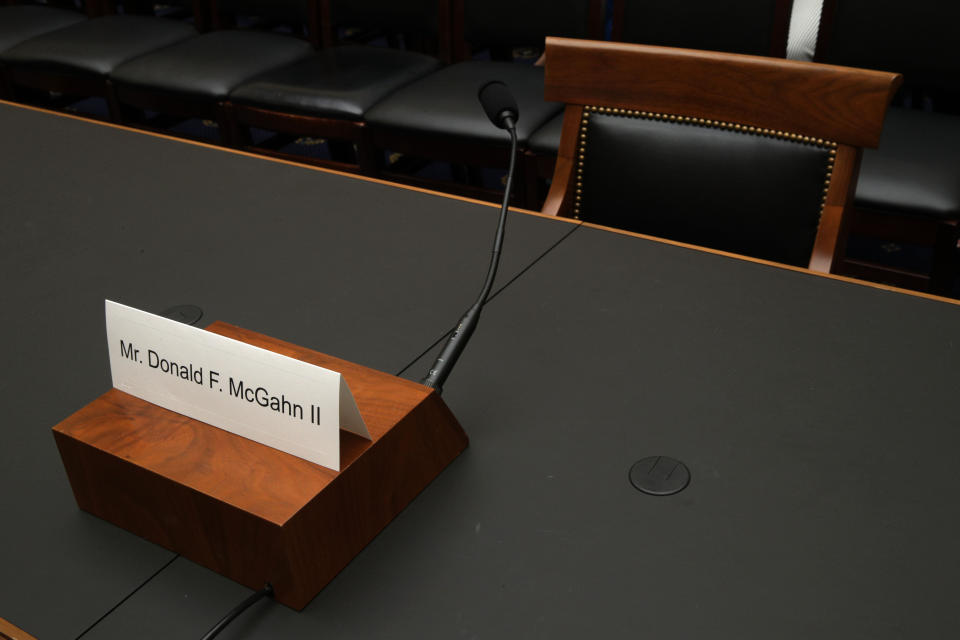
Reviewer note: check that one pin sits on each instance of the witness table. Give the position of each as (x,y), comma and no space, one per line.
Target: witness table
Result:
(815,415)
(359,270)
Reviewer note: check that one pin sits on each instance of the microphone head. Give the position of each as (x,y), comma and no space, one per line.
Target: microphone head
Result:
(499,103)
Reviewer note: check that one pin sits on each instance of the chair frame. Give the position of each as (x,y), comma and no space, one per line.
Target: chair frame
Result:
(787,98)
(241,117)
(18,79)
(539,167)
(462,155)
(12,81)
(942,236)
(128,102)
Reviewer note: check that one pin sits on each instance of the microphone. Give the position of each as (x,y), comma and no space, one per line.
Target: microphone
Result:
(499,104)
(501,107)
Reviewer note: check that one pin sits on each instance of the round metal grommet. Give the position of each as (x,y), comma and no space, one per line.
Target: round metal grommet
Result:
(659,476)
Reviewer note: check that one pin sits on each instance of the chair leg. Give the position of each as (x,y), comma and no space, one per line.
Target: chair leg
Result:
(369,157)
(530,164)
(342,151)
(459,173)
(119,112)
(474,176)
(941,238)
(201,19)
(229,131)
(97,8)
(232,132)
(521,183)
(6,87)
(945,259)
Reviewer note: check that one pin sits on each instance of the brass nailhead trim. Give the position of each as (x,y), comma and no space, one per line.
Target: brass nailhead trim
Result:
(717,124)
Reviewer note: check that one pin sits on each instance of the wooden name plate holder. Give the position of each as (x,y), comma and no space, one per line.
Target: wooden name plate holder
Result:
(245,510)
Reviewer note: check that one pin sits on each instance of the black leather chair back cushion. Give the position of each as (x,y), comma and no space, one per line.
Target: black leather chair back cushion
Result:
(508,23)
(61,4)
(148,7)
(404,16)
(293,10)
(744,26)
(915,38)
(743,192)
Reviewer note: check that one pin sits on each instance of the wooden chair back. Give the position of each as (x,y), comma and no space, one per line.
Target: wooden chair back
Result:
(835,110)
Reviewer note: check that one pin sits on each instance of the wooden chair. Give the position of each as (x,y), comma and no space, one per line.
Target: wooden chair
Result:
(329,93)
(909,191)
(19,23)
(76,60)
(438,117)
(192,79)
(756,27)
(752,155)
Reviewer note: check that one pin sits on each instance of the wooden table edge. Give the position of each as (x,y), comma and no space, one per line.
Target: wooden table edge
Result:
(779,265)
(577,223)
(10,632)
(250,154)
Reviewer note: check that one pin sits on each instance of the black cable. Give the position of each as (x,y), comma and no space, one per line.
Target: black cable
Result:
(433,345)
(237,610)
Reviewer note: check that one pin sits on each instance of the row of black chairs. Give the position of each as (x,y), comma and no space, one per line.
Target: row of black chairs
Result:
(418,97)
(410,99)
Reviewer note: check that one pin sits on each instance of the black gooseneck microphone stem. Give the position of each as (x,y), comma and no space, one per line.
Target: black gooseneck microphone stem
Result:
(461,334)
(502,222)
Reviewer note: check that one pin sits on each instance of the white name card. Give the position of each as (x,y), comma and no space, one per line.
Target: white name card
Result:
(278,401)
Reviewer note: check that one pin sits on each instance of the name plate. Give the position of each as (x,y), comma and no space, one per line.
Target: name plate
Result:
(272,399)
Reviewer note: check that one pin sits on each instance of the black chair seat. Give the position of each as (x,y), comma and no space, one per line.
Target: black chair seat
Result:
(445,103)
(343,82)
(211,65)
(916,169)
(546,139)
(20,23)
(98,46)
